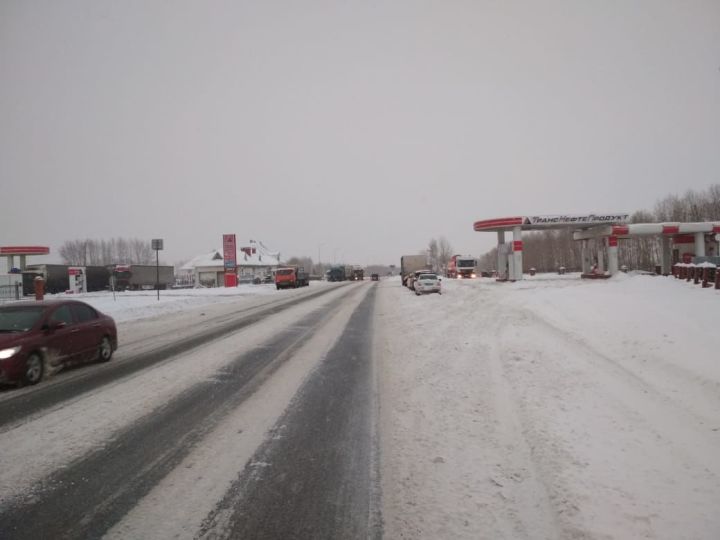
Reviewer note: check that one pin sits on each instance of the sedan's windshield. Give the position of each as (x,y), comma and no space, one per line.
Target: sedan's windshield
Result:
(19,319)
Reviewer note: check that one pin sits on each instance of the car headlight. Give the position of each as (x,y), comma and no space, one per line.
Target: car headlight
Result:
(7,353)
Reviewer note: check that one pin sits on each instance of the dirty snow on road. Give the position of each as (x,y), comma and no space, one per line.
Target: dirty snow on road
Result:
(550,408)
(34,447)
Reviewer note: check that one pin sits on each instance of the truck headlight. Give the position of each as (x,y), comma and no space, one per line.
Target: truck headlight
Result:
(7,353)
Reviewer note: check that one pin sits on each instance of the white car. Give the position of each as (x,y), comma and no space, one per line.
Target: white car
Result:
(427,283)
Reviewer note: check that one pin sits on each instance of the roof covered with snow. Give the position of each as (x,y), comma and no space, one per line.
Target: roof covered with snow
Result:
(255,254)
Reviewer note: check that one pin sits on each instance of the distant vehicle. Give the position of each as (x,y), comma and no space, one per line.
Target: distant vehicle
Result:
(427,283)
(291,277)
(461,267)
(336,273)
(374,277)
(268,278)
(141,276)
(349,273)
(358,273)
(55,332)
(57,279)
(409,264)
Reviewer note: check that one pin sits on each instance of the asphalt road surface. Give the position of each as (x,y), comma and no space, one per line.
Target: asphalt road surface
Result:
(318,477)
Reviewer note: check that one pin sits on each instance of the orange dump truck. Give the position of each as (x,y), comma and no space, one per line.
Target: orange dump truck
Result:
(291,277)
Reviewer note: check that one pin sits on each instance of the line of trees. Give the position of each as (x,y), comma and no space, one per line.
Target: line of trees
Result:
(548,250)
(90,252)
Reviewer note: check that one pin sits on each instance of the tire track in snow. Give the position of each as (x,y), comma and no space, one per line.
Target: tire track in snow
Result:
(87,498)
(614,452)
(455,462)
(26,406)
(317,480)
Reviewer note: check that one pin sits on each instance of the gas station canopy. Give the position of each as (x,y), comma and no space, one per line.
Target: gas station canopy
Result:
(10,252)
(536,223)
(24,250)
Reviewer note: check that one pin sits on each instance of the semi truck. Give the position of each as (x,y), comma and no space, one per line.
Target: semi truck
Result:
(57,279)
(291,277)
(142,276)
(461,267)
(409,264)
(358,273)
(336,273)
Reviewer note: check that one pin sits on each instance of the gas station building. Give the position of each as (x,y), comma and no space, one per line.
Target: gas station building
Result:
(599,235)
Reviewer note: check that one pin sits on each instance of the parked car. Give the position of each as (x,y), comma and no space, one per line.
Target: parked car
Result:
(410,282)
(427,283)
(52,332)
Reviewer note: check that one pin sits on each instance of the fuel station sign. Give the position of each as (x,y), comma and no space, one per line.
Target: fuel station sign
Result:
(230,259)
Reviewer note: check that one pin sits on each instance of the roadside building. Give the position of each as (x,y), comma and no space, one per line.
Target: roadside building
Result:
(253,261)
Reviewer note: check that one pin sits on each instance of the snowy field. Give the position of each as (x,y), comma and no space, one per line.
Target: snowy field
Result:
(550,408)
(133,305)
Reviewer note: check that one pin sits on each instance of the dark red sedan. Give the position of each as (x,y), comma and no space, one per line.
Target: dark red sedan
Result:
(34,335)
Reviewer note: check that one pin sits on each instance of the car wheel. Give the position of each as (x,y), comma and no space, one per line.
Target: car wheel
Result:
(417,293)
(105,351)
(34,369)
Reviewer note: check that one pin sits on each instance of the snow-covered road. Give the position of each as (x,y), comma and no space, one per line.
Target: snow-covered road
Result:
(551,408)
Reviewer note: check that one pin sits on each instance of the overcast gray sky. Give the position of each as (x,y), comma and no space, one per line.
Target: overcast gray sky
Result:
(363,128)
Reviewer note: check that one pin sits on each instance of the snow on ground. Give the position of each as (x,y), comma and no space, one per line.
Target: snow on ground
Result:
(29,450)
(132,305)
(550,408)
(179,503)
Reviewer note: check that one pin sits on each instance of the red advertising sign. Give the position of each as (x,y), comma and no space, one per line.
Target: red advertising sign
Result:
(229,251)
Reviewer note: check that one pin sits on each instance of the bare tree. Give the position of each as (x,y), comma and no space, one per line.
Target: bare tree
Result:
(445,252)
(103,252)
(433,254)
(141,251)
(73,252)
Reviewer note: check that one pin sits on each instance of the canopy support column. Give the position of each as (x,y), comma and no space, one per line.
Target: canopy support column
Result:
(612,250)
(517,253)
(699,244)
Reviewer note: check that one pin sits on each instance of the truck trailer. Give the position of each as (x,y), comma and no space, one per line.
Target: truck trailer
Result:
(142,276)
(409,264)
(57,279)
